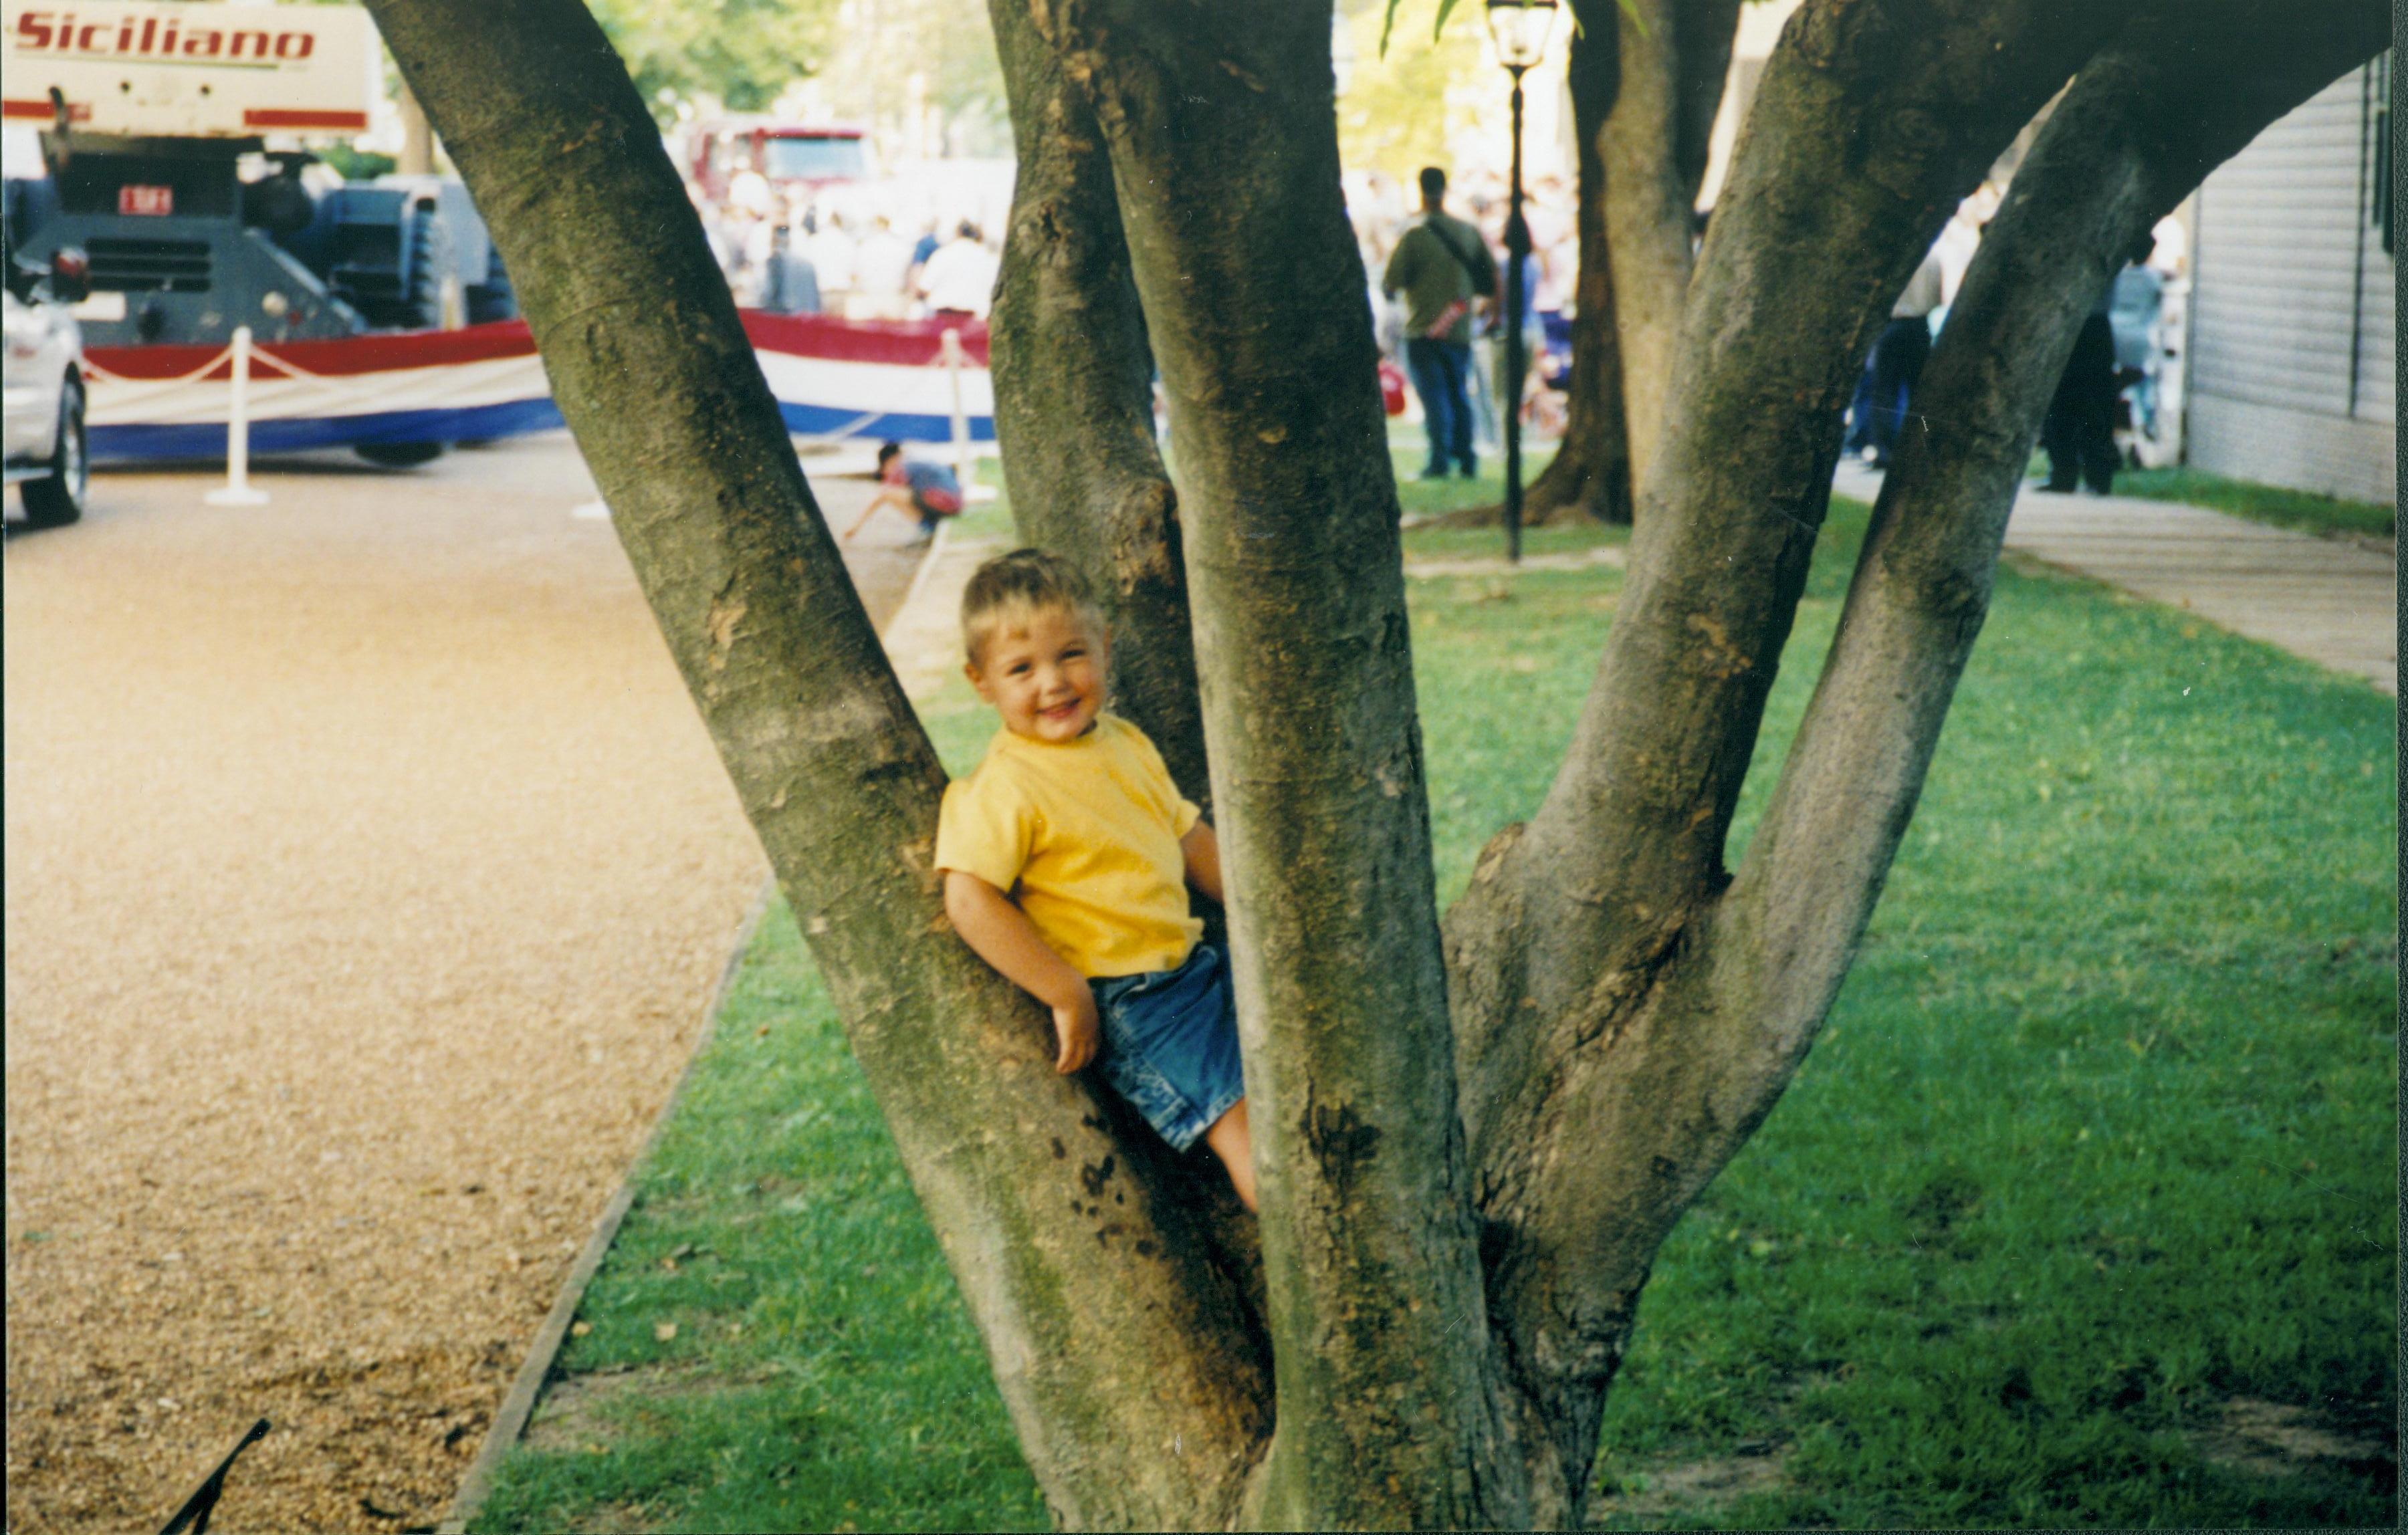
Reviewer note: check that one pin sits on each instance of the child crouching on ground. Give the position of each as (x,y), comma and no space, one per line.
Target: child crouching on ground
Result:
(1067,858)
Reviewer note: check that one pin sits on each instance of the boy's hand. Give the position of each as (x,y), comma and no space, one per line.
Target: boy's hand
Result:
(1001,934)
(1079,1030)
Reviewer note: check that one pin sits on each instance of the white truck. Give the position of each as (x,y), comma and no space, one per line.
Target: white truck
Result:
(171,136)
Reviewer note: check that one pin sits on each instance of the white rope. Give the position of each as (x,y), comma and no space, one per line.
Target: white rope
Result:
(104,376)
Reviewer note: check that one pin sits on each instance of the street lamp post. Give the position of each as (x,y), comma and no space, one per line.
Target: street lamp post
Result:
(1520,29)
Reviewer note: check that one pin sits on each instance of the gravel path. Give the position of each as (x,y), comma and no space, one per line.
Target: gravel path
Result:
(368,872)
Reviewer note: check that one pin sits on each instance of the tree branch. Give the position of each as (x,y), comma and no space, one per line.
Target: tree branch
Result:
(2183,88)
(1080,1275)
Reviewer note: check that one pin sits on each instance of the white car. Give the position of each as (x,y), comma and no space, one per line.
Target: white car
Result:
(44,389)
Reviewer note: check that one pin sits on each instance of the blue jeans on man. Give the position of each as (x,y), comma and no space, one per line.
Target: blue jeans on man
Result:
(1885,390)
(1439,370)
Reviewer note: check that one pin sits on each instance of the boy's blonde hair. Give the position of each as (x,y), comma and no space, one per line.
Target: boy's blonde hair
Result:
(1011,588)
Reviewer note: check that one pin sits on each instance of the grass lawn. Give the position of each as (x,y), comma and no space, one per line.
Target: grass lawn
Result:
(2092,1169)
(2302,510)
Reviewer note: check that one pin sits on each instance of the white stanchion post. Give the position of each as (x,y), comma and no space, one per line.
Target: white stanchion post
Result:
(952,351)
(237,491)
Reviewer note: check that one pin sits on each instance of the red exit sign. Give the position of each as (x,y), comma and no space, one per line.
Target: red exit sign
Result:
(147,202)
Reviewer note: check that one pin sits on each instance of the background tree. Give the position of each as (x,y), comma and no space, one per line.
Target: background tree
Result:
(1590,474)
(743,52)
(1408,95)
(1471,1138)
(891,57)
(1646,82)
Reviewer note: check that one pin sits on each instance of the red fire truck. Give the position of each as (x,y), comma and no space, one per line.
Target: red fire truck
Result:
(790,155)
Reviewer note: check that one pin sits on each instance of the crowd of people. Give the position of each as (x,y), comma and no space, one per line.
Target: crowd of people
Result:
(785,251)
(1439,298)
(1435,257)
(2110,380)
(1438,294)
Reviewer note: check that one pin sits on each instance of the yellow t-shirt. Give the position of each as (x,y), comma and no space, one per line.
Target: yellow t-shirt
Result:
(1083,836)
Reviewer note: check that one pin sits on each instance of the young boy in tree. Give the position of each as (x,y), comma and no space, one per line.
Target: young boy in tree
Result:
(1067,858)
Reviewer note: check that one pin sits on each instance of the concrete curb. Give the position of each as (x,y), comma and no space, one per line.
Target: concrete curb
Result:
(926,612)
(511,1419)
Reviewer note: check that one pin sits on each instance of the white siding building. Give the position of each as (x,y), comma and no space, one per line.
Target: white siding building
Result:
(2291,334)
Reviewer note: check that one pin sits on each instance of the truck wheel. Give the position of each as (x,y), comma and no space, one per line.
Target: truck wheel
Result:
(494,298)
(398,455)
(57,499)
(430,256)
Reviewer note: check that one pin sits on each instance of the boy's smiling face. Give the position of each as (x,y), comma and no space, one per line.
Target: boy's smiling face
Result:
(1044,675)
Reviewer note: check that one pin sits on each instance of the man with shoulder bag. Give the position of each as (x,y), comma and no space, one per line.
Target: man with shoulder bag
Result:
(1442,268)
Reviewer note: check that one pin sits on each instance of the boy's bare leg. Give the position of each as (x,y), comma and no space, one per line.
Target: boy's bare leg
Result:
(1234,1144)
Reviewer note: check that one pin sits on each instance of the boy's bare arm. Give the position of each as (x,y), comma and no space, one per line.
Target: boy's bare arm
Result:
(886,496)
(1001,934)
(1203,851)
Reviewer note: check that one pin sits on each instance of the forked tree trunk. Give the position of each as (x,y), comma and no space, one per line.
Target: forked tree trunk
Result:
(1668,1053)
(1074,399)
(1449,1291)
(1590,474)
(1604,1080)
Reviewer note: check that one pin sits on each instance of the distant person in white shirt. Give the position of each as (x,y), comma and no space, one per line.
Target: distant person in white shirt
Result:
(832,253)
(958,280)
(881,272)
(749,189)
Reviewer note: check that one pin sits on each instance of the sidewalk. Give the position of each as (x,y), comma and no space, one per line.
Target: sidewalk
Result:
(2327,601)
(924,638)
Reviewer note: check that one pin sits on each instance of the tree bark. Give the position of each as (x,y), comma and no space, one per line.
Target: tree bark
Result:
(1590,474)
(1600,1094)
(1125,1361)
(1225,154)
(1674,56)
(1074,399)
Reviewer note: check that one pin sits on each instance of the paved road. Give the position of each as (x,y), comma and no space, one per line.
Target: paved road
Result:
(368,872)
(2329,600)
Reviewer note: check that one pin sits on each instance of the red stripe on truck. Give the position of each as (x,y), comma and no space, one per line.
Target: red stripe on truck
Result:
(279,117)
(78,111)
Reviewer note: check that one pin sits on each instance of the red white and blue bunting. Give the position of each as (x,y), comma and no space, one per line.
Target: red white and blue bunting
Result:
(832,378)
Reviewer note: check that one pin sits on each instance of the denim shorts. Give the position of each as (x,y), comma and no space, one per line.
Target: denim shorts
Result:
(1170,1044)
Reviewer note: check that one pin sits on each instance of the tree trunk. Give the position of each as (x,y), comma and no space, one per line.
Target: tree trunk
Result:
(1123,1355)
(1590,474)
(1074,399)
(1225,153)
(1674,56)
